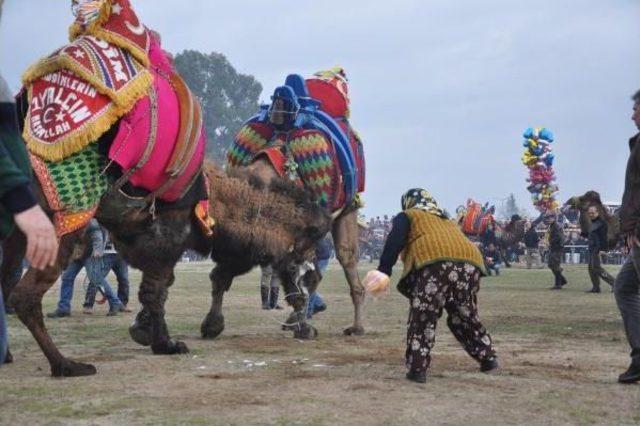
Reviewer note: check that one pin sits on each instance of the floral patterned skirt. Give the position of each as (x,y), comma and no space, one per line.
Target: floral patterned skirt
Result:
(452,286)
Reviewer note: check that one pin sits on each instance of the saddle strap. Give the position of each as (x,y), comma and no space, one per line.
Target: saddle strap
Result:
(190,127)
(151,142)
(188,135)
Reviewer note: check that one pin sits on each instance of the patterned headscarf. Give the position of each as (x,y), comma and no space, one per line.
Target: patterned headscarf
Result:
(418,198)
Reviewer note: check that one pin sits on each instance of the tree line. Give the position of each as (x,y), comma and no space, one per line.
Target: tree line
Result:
(228,98)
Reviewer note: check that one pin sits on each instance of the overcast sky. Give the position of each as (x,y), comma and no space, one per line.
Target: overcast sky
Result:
(441,90)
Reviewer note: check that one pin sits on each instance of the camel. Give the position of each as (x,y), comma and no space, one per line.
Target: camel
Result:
(510,235)
(582,204)
(282,117)
(507,235)
(345,233)
(242,206)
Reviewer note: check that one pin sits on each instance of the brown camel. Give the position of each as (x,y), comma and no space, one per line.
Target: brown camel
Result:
(256,224)
(582,204)
(511,234)
(345,233)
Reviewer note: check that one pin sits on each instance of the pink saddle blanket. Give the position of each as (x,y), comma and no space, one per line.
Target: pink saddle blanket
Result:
(159,147)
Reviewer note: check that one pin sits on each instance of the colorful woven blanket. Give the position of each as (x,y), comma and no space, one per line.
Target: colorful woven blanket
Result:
(309,158)
(476,220)
(331,89)
(251,139)
(73,187)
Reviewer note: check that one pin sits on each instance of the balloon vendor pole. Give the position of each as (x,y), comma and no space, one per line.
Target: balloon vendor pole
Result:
(538,157)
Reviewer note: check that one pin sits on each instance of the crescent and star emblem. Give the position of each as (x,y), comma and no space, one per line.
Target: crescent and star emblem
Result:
(137,30)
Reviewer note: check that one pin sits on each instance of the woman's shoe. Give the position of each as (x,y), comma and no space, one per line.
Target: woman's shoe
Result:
(489,364)
(417,376)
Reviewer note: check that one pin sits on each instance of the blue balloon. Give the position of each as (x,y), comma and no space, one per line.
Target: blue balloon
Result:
(549,160)
(538,151)
(529,133)
(546,135)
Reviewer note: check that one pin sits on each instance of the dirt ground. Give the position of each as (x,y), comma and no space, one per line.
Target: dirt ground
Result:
(560,354)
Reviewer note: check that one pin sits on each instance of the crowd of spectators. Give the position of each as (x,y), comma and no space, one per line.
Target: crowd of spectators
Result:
(532,251)
(373,233)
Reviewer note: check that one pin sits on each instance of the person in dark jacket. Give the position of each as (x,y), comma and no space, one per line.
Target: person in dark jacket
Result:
(555,236)
(92,261)
(18,206)
(532,244)
(597,247)
(442,270)
(111,261)
(493,259)
(627,285)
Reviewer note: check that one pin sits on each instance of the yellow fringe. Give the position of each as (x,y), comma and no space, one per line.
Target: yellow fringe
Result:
(95,29)
(87,134)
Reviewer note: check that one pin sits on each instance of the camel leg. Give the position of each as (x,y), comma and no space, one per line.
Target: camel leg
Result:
(142,329)
(13,250)
(345,240)
(221,278)
(26,298)
(298,299)
(153,295)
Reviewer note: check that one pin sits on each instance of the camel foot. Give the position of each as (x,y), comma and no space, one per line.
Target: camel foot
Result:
(212,326)
(72,369)
(353,331)
(140,331)
(170,347)
(291,324)
(305,332)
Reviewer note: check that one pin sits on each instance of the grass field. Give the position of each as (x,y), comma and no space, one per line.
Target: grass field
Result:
(560,353)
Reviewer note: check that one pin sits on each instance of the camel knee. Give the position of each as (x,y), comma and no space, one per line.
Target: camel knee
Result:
(27,304)
(220,281)
(152,296)
(347,256)
(357,293)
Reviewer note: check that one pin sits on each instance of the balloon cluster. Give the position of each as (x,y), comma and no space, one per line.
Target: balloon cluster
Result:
(538,157)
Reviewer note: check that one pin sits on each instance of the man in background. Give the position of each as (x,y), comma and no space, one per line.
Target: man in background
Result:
(493,259)
(555,237)
(111,261)
(269,288)
(597,248)
(532,249)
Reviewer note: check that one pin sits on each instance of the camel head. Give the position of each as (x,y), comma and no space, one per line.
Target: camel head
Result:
(582,202)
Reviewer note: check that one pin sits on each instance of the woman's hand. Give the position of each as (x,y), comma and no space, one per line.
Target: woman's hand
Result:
(376,283)
(42,243)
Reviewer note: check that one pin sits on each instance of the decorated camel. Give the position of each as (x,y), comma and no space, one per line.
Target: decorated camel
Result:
(582,204)
(304,135)
(477,222)
(114,133)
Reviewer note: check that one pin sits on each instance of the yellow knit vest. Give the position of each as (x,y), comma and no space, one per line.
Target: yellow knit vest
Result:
(434,239)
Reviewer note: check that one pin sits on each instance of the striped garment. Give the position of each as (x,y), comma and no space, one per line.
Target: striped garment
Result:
(433,239)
